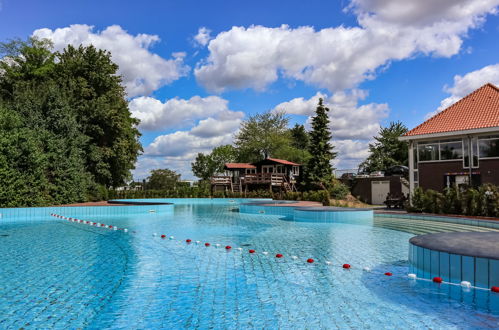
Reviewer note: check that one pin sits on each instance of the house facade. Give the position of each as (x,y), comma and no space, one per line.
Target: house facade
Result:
(270,173)
(459,145)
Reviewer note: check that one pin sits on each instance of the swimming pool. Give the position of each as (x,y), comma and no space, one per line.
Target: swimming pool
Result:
(60,274)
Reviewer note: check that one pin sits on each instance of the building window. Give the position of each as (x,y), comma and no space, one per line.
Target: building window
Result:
(474,152)
(251,171)
(296,170)
(451,150)
(489,147)
(428,152)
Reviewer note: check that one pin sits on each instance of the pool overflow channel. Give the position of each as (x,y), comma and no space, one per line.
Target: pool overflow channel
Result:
(465,285)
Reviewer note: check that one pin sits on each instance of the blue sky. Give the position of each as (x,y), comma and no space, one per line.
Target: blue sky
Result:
(194,70)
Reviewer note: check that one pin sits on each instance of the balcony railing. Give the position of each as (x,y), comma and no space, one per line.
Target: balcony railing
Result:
(275,179)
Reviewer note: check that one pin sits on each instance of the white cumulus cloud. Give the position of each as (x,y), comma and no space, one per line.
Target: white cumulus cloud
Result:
(352,125)
(177,113)
(341,57)
(143,71)
(463,85)
(203,36)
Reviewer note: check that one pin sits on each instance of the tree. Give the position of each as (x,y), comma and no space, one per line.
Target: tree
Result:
(300,137)
(387,150)
(267,135)
(319,169)
(65,125)
(205,166)
(98,99)
(261,136)
(41,142)
(162,179)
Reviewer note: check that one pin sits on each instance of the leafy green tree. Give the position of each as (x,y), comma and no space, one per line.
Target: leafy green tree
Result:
(163,179)
(98,99)
(267,135)
(261,135)
(65,125)
(319,169)
(387,150)
(205,166)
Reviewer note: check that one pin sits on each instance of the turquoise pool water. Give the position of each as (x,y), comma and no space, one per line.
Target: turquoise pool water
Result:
(59,274)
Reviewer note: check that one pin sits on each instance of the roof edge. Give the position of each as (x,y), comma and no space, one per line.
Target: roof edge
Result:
(449,133)
(451,106)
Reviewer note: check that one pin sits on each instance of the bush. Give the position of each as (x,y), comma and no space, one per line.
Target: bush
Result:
(338,190)
(483,201)
(418,200)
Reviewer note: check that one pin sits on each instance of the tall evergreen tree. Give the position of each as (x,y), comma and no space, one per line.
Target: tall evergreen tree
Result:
(319,170)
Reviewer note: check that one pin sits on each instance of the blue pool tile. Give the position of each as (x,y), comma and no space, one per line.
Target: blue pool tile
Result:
(455,268)
(482,272)
(493,272)
(434,263)
(444,270)
(468,269)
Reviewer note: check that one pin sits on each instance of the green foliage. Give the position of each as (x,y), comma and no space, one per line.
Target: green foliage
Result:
(319,169)
(98,99)
(265,135)
(300,139)
(451,203)
(205,166)
(58,115)
(338,190)
(387,150)
(162,179)
(483,201)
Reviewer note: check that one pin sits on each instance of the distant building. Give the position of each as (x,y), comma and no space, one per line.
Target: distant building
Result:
(458,146)
(270,173)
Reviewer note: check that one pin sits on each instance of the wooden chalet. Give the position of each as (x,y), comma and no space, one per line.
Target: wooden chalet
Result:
(270,173)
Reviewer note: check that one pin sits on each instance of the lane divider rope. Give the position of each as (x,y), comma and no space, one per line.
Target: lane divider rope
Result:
(465,285)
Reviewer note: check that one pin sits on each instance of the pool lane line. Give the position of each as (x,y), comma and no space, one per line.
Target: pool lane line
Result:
(465,285)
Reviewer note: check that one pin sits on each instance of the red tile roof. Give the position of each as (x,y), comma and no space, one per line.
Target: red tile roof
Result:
(282,161)
(238,165)
(480,109)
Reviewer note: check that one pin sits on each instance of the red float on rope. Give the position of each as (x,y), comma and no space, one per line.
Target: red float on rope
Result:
(310,260)
(228,247)
(163,236)
(388,274)
(278,255)
(251,251)
(495,289)
(437,279)
(346,266)
(206,244)
(111,227)
(188,240)
(103,225)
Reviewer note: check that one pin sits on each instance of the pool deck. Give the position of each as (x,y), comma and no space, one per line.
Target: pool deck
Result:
(472,244)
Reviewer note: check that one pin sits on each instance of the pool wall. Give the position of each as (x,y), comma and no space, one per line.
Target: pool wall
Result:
(324,214)
(29,214)
(327,215)
(43,213)
(454,268)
